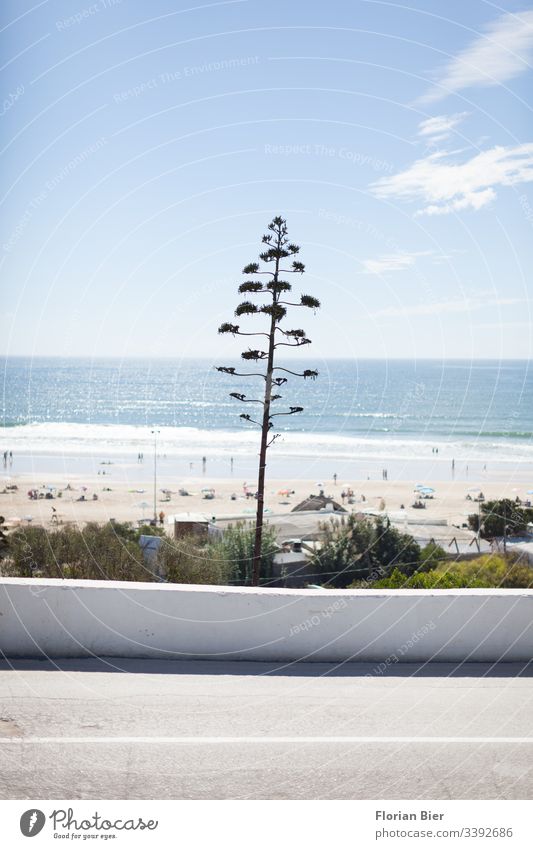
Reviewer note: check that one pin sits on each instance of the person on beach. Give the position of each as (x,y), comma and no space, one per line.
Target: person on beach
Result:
(231,464)
(335,478)
(161,517)
(204,465)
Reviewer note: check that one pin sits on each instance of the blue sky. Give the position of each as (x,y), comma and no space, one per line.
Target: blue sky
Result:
(146,146)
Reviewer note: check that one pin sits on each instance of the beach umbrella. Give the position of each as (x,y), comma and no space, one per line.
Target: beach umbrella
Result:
(143,505)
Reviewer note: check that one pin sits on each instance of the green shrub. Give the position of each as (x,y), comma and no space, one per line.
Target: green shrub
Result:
(430,557)
(355,552)
(236,549)
(489,571)
(186,561)
(227,560)
(3,538)
(95,552)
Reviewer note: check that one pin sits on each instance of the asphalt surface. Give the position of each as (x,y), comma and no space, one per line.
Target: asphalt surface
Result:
(139,729)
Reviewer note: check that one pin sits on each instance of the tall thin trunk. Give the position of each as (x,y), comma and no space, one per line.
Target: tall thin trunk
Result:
(264,439)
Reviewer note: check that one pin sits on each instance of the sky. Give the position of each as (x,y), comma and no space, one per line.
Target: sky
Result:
(146,145)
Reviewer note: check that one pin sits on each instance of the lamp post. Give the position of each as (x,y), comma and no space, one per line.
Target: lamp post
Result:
(154,433)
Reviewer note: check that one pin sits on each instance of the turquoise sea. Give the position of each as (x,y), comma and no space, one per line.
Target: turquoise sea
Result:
(358,415)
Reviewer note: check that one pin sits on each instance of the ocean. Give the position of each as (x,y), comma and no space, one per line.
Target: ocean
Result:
(411,417)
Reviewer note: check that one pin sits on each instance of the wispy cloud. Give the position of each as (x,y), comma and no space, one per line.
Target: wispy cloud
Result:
(500,53)
(392,262)
(440,259)
(445,186)
(459,305)
(439,128)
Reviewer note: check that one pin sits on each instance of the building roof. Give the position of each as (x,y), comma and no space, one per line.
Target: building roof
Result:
(198,518)
(318,502)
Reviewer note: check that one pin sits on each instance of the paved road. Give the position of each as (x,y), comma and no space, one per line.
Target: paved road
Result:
(180,730)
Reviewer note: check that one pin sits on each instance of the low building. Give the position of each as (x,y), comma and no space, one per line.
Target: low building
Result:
(292,566)
(193,524)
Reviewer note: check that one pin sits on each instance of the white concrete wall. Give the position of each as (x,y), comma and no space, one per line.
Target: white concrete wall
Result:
(78,618)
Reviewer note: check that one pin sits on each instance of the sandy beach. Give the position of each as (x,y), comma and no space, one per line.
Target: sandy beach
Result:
(131,499)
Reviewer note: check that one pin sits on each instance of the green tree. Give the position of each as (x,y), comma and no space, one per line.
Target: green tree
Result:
(355,551)
(236,551)
(273,306)
(501,517)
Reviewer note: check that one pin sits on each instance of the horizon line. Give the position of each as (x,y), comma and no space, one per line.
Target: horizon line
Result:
(171,357)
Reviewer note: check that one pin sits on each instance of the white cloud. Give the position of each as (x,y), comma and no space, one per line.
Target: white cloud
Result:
(439,128)
(392,262)
(460,305)
(500,53)
(445,186)
(440,259)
